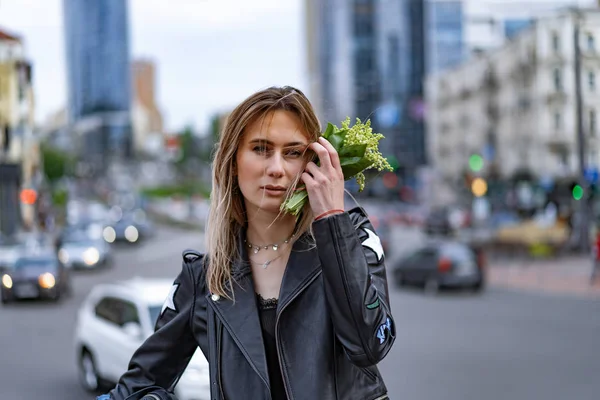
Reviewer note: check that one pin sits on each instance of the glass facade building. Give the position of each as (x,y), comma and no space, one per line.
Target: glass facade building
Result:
(98,66)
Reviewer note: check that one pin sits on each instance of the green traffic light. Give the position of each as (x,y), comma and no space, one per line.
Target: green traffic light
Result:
(577,192)
(393,161)
(476,162)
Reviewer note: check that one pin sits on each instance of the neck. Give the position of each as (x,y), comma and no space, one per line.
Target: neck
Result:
(266,228)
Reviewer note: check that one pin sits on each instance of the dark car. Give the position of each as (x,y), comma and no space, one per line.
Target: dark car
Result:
(131,227)
(40,276)
(442,264)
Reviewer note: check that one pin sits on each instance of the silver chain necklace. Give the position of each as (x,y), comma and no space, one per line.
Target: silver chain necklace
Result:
(274,246)
(265,264)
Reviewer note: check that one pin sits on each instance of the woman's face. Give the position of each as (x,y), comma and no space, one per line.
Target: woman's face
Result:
(269,158)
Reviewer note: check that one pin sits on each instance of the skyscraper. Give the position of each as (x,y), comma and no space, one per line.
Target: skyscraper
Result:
(368,58)
(98,71)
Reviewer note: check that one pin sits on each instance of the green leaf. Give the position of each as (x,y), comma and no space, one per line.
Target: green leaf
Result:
(330,129)
(349,160)
(354,150)
(337,139)
(295,203)
(353,169)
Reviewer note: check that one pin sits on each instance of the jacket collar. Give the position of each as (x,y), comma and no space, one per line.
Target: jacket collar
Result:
(241,318)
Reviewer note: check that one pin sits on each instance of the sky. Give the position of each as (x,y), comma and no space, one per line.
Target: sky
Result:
(210,54)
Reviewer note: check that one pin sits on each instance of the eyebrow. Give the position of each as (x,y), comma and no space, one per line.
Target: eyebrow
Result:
(291,144)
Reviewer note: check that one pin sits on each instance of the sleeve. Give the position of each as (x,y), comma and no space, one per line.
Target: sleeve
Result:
(162,358)
(356,285)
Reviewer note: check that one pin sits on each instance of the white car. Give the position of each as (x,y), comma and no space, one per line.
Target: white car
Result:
(114,321)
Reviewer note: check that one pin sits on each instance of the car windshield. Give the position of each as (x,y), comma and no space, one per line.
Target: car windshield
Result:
(35,263)
(154,313)
(458,253)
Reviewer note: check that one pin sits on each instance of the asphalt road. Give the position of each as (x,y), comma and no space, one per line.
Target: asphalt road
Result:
(499,345)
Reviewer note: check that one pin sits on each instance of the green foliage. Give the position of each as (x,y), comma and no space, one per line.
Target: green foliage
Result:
(57,163)
(183,190)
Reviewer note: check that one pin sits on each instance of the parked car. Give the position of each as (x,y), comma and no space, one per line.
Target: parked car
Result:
(113,321)
(440,264)
(35,276)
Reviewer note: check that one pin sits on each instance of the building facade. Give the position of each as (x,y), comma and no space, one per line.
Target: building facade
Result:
(515,106)
(368,59)
(98,71)
(146,117)
(19,147)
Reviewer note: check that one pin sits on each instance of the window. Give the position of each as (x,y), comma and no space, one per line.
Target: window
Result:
(555,42)
(591,43)
(592,81)
(107,311)
(592,122)
(557,79)
(557,120)
(117,311)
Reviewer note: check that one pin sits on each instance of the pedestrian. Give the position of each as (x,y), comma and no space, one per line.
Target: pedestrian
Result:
(283,307)
(595,256)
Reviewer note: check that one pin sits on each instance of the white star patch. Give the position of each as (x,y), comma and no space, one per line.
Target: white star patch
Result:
(169,301)
(374,243)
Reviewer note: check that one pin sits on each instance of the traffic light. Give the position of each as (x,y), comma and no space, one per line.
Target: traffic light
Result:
(577,192)
(475,162)
(28,196)
(479,187)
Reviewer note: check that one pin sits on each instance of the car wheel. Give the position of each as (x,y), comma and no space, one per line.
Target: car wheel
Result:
(432,286)
(5,300)
(88,375)
(478,287)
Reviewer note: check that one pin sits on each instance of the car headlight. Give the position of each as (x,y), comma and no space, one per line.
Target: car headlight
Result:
(131,233)
(63,256)
(7,281)
(91,256)
(47,280)
(109,234)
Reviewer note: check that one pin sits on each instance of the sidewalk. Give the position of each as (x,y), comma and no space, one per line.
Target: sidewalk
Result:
(566,275)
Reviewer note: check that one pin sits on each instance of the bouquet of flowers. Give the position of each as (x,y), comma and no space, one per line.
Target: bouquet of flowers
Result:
(358,150)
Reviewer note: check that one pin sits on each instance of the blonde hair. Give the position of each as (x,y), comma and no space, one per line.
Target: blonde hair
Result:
(227,215)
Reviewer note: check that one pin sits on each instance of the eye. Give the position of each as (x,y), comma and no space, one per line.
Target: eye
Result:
(294,153)
(260,149)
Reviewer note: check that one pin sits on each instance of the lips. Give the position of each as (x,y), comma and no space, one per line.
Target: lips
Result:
(274,188)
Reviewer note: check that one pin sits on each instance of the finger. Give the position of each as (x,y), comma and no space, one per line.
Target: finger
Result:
(333,154)
(314,171)
(307,179)
(323,154)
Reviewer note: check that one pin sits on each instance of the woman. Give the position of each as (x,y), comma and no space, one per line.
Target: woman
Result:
(282,308)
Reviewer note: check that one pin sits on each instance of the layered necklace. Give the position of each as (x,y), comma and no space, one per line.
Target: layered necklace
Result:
(274,246)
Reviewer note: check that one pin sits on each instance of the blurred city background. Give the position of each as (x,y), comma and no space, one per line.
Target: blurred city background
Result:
(109,111)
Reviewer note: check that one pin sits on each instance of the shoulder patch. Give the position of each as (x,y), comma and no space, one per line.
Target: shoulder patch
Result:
(373,243)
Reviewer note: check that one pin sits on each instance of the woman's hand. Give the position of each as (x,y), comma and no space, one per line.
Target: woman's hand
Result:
(324,183)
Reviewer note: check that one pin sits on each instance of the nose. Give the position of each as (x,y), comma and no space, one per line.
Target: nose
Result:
(275,167)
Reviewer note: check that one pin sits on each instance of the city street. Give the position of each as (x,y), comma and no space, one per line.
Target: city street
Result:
(498,345)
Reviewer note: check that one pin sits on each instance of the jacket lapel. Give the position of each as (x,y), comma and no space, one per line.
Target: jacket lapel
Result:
(241,318)
(302,266)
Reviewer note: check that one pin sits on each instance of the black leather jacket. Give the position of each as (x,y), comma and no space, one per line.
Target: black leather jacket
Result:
(334,323)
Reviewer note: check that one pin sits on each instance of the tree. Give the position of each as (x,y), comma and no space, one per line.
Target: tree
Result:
(57,163)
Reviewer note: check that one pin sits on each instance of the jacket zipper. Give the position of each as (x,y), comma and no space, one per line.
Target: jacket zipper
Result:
(285,384)
(219,336)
